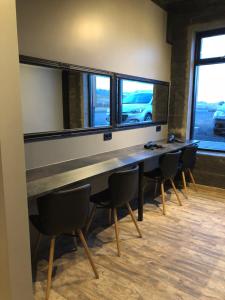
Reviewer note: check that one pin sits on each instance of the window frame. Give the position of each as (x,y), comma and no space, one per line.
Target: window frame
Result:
(90,98)
(198,61)
(114,102)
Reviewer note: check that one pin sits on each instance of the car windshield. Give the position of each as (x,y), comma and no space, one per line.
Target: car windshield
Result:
(143,98)
(221,107)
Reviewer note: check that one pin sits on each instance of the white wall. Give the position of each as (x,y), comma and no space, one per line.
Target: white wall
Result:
(126,36)
(15,269)
(82,146)
(41,94)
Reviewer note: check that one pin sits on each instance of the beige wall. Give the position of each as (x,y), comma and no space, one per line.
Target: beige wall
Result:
(70,148)
(41,94)
(126,36)
(15,270)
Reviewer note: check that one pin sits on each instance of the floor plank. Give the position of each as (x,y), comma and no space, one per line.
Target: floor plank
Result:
(180,257)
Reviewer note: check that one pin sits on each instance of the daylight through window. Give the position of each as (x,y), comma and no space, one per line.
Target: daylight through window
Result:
(209,98)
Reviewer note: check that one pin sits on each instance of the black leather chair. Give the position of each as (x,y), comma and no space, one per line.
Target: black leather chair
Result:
(168,167)
(64,211)
(122,189)
(187,164)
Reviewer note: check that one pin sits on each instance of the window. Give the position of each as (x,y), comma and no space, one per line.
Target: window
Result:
(142,102)
(100,100)
(208,124)
(213,46)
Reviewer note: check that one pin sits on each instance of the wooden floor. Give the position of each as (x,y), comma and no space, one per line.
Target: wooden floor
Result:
(180,257)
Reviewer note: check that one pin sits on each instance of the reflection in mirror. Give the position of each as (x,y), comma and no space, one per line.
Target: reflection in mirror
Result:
(55,99)
(142,102)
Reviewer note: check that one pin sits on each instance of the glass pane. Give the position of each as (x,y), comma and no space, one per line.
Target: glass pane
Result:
(101,100)
(213,46)
(143,101)
(136,100)
(210,104)
(56,99)
(42,98)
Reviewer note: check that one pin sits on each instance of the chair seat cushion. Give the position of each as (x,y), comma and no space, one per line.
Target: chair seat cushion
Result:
(102,199)
(183,168)
(155,174)
(35,220)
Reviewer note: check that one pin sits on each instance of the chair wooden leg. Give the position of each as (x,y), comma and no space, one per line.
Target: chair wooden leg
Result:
(163,198)
(116,230)
(134,220)
(175,191)
(83,241)
(90,220)
(184,182)
(50,267)
(193,180)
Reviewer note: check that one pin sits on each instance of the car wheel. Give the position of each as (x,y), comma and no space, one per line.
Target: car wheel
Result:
(148,117)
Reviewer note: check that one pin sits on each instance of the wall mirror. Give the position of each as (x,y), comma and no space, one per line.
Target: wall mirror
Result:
(142,101)
(58,99)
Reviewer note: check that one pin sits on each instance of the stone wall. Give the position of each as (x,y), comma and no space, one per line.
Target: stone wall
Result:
(210,168)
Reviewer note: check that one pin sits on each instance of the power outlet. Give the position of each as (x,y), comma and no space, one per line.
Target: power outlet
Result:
(107,136)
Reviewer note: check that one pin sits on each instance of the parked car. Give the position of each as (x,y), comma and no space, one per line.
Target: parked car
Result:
(136,107)
(219,119)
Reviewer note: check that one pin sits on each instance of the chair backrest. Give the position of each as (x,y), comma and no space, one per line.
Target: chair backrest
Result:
(169,163)
(188,157)
(123,186)
(64,211)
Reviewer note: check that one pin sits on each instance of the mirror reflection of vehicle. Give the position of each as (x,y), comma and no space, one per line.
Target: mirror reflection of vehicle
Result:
(219,119)
(137,107)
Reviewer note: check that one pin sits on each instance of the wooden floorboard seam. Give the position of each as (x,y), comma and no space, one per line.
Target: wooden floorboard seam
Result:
(180,257)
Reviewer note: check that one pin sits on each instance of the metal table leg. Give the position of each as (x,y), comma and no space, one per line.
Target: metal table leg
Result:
(141,192)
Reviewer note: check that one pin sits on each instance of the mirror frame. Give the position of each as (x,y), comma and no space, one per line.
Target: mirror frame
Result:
(114,101)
